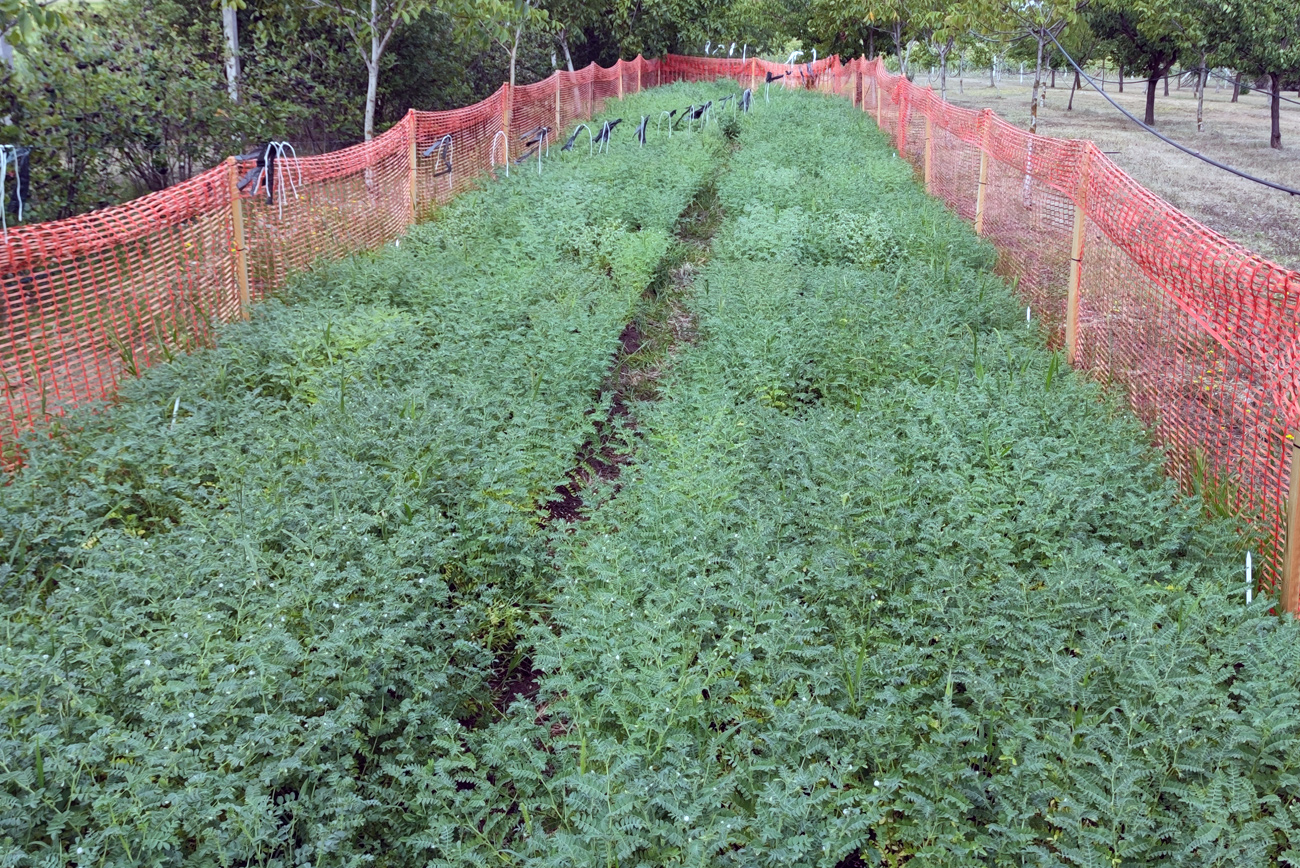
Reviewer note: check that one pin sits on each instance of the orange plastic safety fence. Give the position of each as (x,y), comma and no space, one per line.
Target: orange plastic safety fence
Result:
(1200,334)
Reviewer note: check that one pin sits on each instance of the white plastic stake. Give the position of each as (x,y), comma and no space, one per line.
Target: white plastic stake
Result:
(1250,580)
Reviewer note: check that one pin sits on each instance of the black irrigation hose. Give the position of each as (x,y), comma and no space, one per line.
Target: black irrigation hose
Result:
(1251,89)
(1186,150)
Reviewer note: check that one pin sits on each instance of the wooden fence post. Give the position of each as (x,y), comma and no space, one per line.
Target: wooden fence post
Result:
(929,146)
(559,123)
(1076,259)
(239,244)
(415,168)
(880,106)
(1291,560)
(640,62)
(507,106)
(984,172)
(618,68)
(753,74)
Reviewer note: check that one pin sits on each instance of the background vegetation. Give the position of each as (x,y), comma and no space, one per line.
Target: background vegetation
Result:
(126,96)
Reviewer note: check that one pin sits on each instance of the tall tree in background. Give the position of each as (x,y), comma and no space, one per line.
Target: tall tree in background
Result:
(370,24)
(1148,36)
(1267,44)
(230,29)
(20,20)
(1038,21)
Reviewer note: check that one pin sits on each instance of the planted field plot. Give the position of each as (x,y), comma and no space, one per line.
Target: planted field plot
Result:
(858,573)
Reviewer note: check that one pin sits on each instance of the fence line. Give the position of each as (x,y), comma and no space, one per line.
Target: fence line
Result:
(1199,333)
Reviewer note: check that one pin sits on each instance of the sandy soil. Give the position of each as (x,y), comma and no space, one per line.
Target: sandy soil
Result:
(1264,220)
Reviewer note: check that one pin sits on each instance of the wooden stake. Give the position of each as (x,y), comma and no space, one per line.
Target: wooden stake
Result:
(506,107)
(618,68)
(1291,561)
(929,148)
(415,168)
(1072,298)
(559,124)
(753,74)
(640,62)
(238,242)
(984,173)
(1076,260)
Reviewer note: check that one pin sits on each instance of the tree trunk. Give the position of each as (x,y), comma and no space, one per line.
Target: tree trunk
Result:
(1053,76)
(230,24)
(871,43)
(563,37)
(1200,95)
(1275,111)
(898,46)
(943,69)
(372,91)
(1236,87)
(1069,107)
(1166,82)
(372,68)
(1038,84)
(961,74)
(1154,80)
(1121,78)
(993,73)
(1103,74)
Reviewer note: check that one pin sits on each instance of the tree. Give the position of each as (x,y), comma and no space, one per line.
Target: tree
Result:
(503,22)
(1039,21)
(571,18)
(1267,43)
(370,24)
(20,20)
(125,101)
(1149,36)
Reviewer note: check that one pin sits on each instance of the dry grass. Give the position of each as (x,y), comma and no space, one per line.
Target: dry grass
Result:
(1264,220)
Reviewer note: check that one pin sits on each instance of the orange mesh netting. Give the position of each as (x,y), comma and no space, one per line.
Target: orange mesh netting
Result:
(1198,332)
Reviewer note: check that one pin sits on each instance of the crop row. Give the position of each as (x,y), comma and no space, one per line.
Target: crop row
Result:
(886,584)
(245,606)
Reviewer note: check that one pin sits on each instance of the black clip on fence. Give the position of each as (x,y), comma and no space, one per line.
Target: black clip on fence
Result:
(263,170)
(441,165)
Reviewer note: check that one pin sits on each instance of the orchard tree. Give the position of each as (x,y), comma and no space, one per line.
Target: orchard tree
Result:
(504,23)
(1150,36)
(571,18)
(20,20)
(1267,44)
(1037,21)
